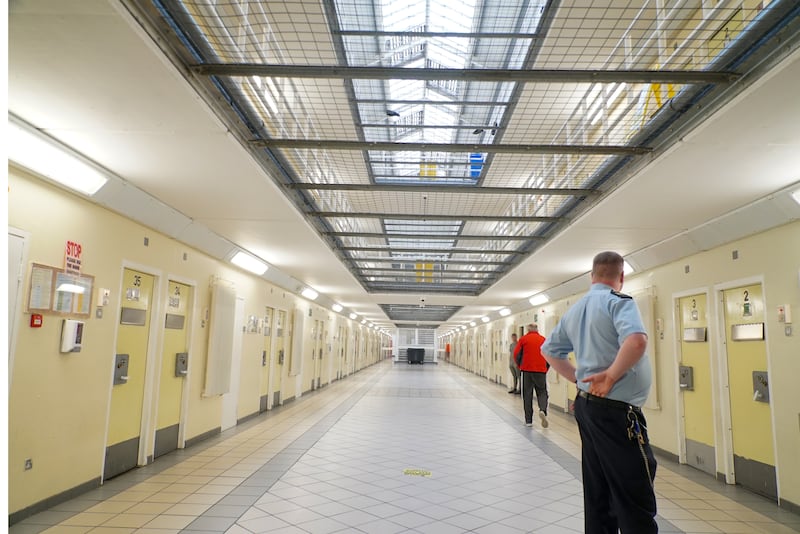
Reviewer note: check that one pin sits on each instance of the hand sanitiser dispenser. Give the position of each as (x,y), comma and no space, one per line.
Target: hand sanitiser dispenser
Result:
(71,335)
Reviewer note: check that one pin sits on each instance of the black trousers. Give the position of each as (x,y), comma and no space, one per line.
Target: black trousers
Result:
(530,382)
(617,483)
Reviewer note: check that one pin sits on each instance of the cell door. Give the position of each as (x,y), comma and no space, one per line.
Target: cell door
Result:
(696,384)
(279,371)
(341,344)
(751,417)
(356,349)
(319,343)
(310,365)
(325,368)
(127,395)
(174,367)
(480,363)
(266,359)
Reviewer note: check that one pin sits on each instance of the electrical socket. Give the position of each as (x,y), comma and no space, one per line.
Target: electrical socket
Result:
(28,464)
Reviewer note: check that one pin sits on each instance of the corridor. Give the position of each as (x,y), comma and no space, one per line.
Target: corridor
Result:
(393,448)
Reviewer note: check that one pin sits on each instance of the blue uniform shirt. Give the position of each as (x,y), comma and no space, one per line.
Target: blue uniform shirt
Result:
(594,329)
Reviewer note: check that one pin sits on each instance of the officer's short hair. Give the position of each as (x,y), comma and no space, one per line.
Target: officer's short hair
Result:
(607,265)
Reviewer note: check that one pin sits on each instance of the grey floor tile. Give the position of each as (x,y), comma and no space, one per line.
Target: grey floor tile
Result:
(211,524)
(429,451)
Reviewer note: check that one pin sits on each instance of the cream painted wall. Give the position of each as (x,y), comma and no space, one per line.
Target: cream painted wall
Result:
(58,403)
(772,256)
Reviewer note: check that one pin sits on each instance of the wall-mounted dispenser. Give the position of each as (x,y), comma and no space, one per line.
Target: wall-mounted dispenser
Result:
(71,335)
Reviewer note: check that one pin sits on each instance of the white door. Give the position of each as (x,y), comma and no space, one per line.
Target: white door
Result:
(16,276)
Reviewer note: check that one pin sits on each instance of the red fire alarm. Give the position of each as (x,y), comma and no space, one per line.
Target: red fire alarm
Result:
(36,320)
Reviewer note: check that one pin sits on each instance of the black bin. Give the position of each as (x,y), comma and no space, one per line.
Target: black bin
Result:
(415,355)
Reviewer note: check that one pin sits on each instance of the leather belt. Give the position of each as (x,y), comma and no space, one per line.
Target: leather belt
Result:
(611,403)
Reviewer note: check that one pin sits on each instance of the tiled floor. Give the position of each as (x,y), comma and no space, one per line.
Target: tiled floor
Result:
(394,448)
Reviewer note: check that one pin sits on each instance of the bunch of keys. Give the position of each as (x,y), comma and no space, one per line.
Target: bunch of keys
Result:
(634,431)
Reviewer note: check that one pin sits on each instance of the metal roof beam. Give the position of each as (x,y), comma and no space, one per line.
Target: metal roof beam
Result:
(446,262)
(334,144)
(434,188)
(433,102)
(400,126)
(419,250)
(408,271)
(461,289)
(412,34)
(431,280)
(437,237)
(490,75)
(434,217)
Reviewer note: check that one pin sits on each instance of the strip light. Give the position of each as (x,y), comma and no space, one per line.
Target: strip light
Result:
(539,298)
(49,158)
(309,293)
(249,263)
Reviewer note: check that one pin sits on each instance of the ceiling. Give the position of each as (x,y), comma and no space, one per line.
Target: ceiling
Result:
(425,162)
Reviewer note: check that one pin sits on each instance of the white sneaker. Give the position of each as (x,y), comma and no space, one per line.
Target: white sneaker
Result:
(543,419)
(528,424)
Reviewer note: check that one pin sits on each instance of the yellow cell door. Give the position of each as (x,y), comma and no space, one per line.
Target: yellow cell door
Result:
(751,421)
(341,343)
(480,363)
(174,367)
(325,363)
(127,395)
(310,363)
(356,350)
(696,384)
(266,359)
(280,357)
(319,341)
(347,351)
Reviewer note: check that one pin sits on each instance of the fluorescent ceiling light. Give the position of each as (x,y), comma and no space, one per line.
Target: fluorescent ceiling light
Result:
(626,268)
(49,158)
(463,327)
(539,298)
(353,315)
(337,307)
(249,263)
(472,323)
(363,321)
(309,293)
(505,312)
(796,196)
(485,319)
(71,288)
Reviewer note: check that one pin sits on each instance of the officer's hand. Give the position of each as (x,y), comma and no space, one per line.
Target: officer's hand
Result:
(600,383)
